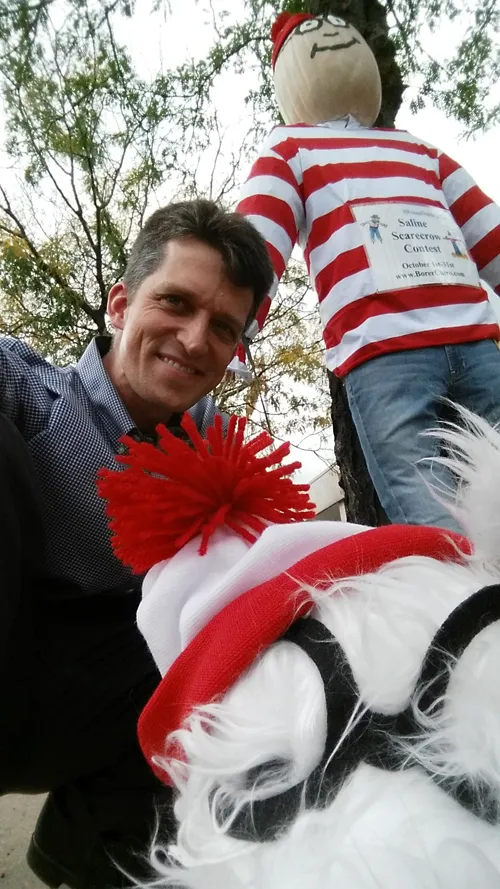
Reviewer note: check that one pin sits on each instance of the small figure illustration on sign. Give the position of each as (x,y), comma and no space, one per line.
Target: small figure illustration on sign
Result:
(456,247)
(375,223)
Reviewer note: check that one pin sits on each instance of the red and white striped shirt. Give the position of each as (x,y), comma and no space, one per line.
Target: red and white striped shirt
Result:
(302,188)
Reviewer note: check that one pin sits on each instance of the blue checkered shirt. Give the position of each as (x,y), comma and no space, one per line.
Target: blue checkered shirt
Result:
(72,419)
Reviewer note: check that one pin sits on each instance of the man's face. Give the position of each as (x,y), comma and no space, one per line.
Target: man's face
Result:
(177,334)
(325,33)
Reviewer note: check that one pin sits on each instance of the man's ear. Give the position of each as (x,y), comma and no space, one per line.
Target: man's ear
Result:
(117,305)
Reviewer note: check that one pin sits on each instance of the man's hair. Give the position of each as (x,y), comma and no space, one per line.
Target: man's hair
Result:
(243,250)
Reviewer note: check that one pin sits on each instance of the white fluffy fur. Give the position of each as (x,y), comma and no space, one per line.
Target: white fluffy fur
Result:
(387,830)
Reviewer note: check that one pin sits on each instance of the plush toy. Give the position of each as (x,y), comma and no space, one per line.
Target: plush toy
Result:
(393,233)
(329,712)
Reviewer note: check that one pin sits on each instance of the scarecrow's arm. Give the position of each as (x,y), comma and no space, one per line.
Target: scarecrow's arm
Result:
(272,200)
(478,217)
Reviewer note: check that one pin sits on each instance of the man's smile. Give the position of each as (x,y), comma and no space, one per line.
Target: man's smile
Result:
(179,366)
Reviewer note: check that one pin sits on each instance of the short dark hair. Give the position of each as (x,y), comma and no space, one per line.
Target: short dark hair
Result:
(243,249)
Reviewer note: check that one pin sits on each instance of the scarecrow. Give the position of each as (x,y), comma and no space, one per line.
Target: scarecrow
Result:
(406,321)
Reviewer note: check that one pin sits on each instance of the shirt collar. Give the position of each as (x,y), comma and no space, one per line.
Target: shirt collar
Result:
(343,123)
(102,393)
(100,389)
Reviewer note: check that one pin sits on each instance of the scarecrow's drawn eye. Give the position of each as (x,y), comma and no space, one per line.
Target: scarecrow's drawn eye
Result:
(309,25)
(335,21)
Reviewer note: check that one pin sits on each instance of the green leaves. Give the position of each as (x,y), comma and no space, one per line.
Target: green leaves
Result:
(457,76)
(90,141)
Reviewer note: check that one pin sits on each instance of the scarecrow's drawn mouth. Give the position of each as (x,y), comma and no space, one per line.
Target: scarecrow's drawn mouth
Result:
(316,48)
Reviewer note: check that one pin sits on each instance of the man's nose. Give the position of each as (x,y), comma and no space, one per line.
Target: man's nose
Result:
(193,336)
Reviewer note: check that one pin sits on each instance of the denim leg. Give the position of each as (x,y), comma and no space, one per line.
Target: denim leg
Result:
(475,378)
(393,400)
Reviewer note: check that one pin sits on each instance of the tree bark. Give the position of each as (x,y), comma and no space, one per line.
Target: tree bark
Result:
(370,18)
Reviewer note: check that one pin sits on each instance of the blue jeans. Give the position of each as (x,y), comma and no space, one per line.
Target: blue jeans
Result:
(396,397)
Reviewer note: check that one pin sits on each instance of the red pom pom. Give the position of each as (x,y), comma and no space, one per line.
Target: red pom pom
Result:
(171,493)
(279,23)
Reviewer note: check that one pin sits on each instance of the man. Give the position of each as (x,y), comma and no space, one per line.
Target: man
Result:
(75,670)
(406,320)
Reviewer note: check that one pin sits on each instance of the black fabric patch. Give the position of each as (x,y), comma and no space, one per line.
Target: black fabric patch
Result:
(370,738)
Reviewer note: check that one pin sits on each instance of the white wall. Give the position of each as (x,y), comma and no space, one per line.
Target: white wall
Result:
(327,496)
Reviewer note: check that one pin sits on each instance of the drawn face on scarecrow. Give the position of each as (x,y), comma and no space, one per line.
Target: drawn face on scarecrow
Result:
(327,33)
(323,70)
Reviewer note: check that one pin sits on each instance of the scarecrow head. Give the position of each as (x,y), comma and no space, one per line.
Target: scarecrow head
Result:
(323,70)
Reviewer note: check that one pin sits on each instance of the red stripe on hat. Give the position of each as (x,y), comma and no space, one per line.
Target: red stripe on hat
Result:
(228,645)
(283,26)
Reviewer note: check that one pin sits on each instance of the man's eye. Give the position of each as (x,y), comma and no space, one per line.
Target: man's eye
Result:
(173,301)
(226,331)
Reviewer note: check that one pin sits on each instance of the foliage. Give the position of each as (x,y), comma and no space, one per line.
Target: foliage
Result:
(89,142)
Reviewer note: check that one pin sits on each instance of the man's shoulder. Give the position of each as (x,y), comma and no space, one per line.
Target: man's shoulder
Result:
(23,352)
(24,361)
(17,347)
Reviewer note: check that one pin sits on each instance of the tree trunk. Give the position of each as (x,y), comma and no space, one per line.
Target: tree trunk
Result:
(370,18)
